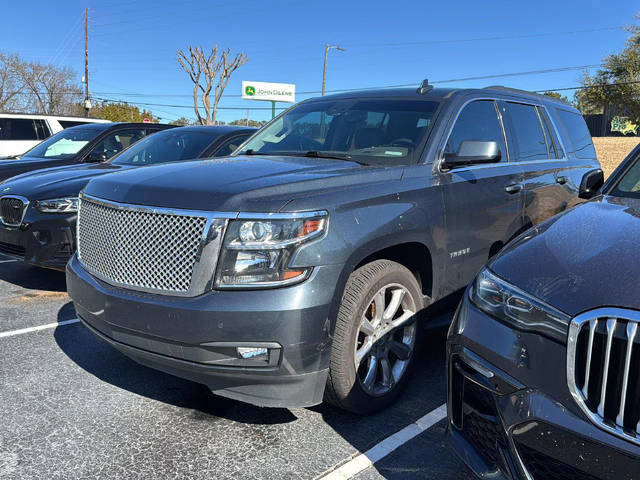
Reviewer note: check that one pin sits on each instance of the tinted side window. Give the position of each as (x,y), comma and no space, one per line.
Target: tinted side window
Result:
(529,138)
(71,123)
(477,121)
(42,130)
(578,134)
(118,141)
(229,146)
(17,129)
(555,150)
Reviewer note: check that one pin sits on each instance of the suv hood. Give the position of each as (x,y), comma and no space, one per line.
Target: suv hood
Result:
(55,182)
(242,183)
(580,260)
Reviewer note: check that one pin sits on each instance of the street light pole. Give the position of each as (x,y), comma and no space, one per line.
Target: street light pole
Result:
(327,47)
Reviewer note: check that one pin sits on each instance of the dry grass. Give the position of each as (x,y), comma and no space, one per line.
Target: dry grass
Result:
(612,150)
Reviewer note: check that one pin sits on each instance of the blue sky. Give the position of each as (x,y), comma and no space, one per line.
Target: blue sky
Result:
(133,44)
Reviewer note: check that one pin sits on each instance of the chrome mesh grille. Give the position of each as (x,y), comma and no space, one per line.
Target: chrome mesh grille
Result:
(12,210)
(602,369)
(139,248)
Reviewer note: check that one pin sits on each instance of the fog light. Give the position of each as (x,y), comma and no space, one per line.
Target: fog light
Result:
(254,353)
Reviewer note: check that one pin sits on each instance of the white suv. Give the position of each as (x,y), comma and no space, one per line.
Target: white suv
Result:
(19,132)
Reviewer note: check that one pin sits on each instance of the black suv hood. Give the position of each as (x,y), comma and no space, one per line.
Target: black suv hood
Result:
(57,182)
(243,183)
(582,259)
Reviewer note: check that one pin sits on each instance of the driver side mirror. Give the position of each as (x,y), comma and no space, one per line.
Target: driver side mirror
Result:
(471,152)
(96,156)
(591,183)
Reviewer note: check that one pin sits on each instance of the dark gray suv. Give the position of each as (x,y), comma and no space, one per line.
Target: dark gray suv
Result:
(300,268)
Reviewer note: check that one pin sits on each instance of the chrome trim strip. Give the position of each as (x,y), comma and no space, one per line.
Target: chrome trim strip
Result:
(577,323)
(164,210)
(593,323)
(611,328)
(25,206)
(281,215)
(632,328)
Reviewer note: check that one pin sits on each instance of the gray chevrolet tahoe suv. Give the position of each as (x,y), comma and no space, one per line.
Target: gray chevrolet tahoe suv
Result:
(300,268)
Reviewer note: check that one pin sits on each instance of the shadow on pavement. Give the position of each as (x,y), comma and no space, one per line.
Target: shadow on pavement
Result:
(106,363)
(33,278)
(425,391)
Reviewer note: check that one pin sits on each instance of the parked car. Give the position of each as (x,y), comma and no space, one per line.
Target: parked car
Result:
(544,351)
(20,132)
(91,143)
(296,269)
(38,210)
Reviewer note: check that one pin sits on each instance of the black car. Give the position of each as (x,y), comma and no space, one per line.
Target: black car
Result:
(38,210)
(90,143)
(544,351)
(298,269)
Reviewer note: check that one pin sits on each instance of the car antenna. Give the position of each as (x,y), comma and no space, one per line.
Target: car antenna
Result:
(425,87)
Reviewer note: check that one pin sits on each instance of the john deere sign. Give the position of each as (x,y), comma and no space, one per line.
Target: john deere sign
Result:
(271,92)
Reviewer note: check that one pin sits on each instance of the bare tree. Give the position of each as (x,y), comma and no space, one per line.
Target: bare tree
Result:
(36,87)
(51,90)
(11,86)
(203,69)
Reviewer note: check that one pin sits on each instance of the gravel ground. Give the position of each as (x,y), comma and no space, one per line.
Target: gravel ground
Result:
(612,150)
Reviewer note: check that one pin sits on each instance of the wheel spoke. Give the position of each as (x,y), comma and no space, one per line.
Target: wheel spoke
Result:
(379,304)
(401,350)
(363,352)
(372,371)
(366,327)
(402,319)
(394,304)
(387,373)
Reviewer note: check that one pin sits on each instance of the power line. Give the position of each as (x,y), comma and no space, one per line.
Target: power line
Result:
(309,92)
(607,85)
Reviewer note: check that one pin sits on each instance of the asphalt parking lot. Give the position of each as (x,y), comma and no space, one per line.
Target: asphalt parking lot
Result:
(72,407)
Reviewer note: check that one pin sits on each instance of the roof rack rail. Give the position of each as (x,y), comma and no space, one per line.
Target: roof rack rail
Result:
(526,92)
(425,87)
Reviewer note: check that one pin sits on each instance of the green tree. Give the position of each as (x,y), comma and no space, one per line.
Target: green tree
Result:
(557,95)
(183,122)
(248,123)
(617,83)
(121,112)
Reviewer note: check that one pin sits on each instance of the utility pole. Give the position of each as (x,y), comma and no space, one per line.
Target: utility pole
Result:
(327,47)
(87,102)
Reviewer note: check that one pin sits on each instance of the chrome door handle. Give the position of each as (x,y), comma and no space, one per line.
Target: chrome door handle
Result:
(515,188)
(562,180)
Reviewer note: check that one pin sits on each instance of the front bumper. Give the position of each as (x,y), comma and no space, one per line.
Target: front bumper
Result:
(44,240)
(511,415)
(197,338)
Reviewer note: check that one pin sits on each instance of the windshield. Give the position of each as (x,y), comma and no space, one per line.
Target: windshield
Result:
(375,131)
(166,146)
(629,183)
(64,144)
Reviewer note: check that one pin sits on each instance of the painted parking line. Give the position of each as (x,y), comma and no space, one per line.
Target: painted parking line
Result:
(13,333)
(386,446)
(8,261)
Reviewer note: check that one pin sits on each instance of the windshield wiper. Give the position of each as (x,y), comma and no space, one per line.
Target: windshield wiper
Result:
(319,154)
(309,153)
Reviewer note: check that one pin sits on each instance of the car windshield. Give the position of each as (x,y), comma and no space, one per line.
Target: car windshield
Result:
(166,146)
(370,131)
(64,144)
(629,184)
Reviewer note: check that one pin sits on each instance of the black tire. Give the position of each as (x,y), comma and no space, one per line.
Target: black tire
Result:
(344,388)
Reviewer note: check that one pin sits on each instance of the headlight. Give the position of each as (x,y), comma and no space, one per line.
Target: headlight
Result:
(58,205)
(511,305)
(257,252)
